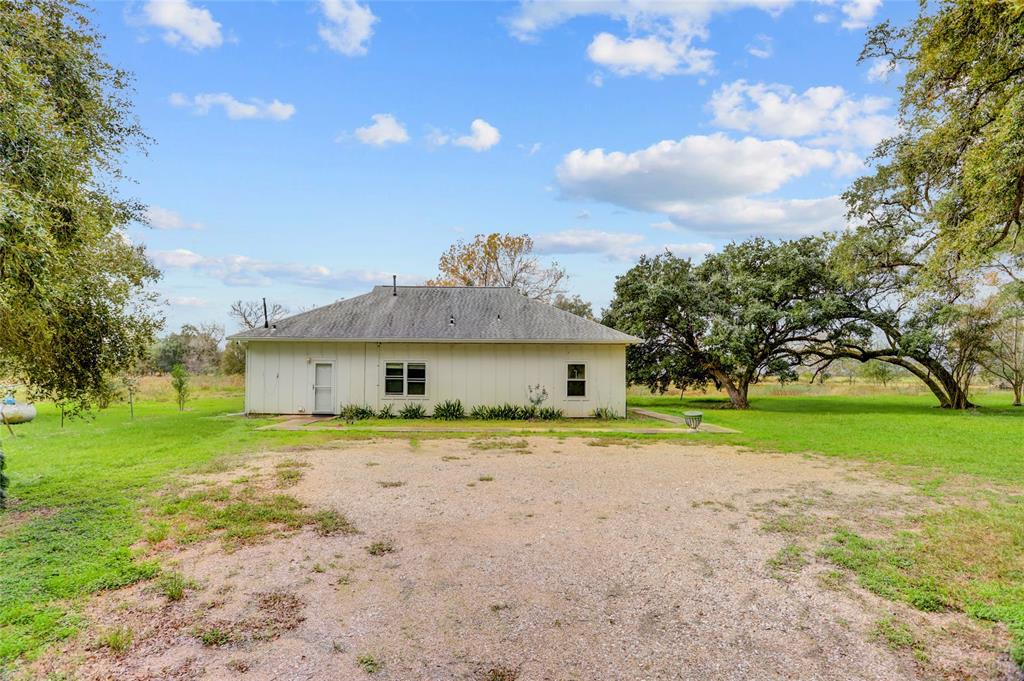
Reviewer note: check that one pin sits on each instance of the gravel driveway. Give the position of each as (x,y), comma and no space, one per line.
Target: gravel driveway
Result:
(534,559)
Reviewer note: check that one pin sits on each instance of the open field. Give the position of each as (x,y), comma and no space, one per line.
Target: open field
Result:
(109,502)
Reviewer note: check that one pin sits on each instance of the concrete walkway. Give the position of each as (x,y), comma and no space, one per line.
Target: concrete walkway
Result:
(679,420)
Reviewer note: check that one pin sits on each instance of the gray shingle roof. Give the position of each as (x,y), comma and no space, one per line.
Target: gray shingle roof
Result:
(428,313)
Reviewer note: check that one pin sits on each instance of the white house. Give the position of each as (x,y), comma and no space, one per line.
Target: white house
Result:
(405,344)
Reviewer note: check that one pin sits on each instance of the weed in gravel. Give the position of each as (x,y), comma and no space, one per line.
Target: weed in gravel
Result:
(500,673)
(832,579)
(379,548)
(451,458)
(372,463)
(486,478)
(116,639)
(498,607)
(173,585)
(330,522)
(369,664)
(213,637)
(789,523)
(499,443)
(789,559)
(714,505)
(387,484)
(157,532)
(895,634)
(288,477)
(239,665)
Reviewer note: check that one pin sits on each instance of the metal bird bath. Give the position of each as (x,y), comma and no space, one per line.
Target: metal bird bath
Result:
(693,419)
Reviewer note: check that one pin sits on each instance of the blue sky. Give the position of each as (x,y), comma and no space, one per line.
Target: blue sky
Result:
(306,151)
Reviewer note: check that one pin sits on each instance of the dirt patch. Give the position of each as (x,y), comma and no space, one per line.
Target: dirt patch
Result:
(661,561)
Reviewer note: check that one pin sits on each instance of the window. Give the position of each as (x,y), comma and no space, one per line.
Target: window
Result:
(405,379)
(576,385)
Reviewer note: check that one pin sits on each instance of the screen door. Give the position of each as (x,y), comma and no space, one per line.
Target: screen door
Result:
(323,388)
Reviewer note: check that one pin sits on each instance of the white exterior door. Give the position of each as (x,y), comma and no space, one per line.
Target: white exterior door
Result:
(323,388)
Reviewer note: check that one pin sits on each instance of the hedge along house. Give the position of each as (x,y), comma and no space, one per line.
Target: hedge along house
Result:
(418,344)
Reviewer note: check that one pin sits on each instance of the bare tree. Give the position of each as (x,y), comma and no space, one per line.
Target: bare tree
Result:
(499,260)
(249,313)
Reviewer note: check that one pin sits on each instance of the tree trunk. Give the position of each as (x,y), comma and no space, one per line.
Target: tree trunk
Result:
(1017,390)
(737,394)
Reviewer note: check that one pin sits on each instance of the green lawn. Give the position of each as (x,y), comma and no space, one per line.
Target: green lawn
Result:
(76,495)
(79,492)
(987,442)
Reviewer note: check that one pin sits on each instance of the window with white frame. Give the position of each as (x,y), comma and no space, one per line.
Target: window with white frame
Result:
(405,379)
(576,381)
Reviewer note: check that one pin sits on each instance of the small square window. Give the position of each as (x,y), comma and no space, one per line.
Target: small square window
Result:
(405,379)
(576,383)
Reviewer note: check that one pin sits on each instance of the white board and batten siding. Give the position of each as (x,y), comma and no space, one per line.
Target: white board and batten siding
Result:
(291,377)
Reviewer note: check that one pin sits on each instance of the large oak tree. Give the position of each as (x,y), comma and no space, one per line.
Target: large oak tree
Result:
(73,301)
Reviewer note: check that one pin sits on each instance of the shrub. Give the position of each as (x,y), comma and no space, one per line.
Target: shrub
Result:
(605,414)
(179,381)
(413,411)
(515,412)
(449,410)
(387,412)
(356,412)
(549,414)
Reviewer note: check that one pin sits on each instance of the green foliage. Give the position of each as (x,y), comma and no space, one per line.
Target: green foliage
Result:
(878,372)
(575,305)
(387,412)
(947,191)
(604,414)
(330,522)
(179,383)
(549,414)
(515,412)
(74,305)
(735,319)
(413,411)
(356,412)
(449,410)
(117,639)
(232,361)
(369,664)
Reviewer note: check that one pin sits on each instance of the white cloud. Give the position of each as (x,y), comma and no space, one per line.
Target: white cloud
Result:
(692,168)
(708,181)
(761,47)
(859,13)
(185,301)
(240,270)
(482,136)
(614,246)
(185,25)
(661,35)
(830,115)
(651,56)
(531,149)
(234,109)
(348,28)
(162,218)
(384,130)
(881,69)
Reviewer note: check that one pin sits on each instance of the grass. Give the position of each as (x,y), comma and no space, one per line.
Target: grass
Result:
(788,560)
(173,585)
(92,499)
(78,494)
(369,664)
(381,547)
(966,557)
(899,429)
(116,639)
(896,635)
